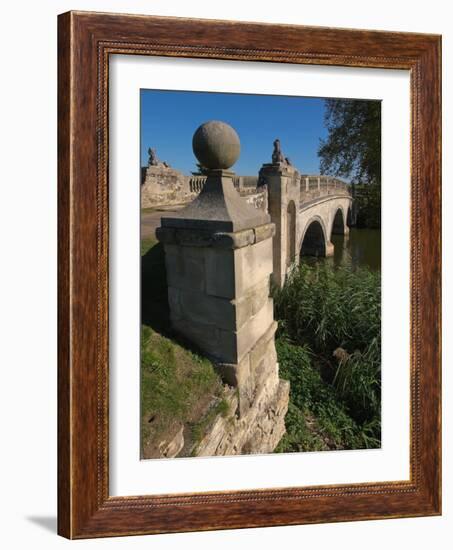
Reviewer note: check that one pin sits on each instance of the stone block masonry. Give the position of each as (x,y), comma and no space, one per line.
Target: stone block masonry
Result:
(219,299)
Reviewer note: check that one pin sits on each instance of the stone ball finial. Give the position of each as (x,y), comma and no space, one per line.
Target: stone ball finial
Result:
(216,145)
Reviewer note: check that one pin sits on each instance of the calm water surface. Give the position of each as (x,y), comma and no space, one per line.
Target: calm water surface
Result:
(362,248)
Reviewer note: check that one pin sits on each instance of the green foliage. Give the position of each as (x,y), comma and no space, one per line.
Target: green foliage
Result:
(353,146)
(299,436)
(174,381)
(358,382)
(367,199)
(329,348)
(330,307)
(317,419)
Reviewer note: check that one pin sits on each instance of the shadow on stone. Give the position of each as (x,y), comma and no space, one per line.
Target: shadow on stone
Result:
(154,300)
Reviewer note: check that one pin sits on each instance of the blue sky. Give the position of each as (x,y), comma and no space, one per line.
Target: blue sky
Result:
(169,119)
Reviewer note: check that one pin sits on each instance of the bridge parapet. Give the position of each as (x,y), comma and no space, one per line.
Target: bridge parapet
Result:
(315,186)
(244,184)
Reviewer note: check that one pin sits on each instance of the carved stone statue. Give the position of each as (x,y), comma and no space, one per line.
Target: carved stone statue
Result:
(277,155)
(152,160)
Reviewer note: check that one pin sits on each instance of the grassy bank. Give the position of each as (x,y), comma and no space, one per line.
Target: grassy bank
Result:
(178,388)
(328,345)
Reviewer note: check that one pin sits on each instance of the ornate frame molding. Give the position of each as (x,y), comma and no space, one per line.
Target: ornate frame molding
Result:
(86,40)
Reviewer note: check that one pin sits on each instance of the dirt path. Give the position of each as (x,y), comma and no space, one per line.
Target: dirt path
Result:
(150,220)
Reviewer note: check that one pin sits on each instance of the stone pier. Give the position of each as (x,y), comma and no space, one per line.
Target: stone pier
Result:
(283,187)
(218,253)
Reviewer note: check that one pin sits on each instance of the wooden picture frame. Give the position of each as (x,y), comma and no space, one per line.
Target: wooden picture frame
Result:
(85,42)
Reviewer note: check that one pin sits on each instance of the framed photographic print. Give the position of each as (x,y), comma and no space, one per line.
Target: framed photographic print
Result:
(249,275)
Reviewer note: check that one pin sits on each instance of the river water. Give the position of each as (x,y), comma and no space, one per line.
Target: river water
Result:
(361,248)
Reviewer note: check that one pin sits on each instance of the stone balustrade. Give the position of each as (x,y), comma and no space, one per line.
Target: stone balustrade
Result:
(315,186)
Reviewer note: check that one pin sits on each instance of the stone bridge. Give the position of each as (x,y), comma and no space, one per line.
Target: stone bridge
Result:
(306,211)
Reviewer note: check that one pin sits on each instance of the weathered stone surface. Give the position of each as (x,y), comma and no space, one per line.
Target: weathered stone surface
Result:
(253,264)
(218,208)
(234,240)
(251,331)
(224,345)
(216,145)
(162,191)
(231,273)
(193,237)
(166,235)
(220,273)
(207,337)
(263,347)
(235,374)
(226,314)
(171,448)
(201,238)
(283,184)
(270,426)
(251,303)
(185,267)
(264,232)
(256,199)
(202,308)
(164,186)
(329,249)
(258,431)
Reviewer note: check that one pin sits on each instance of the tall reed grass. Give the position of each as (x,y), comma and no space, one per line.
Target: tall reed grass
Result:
(334,315)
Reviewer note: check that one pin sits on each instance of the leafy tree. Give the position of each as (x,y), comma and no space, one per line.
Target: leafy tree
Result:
(352,149)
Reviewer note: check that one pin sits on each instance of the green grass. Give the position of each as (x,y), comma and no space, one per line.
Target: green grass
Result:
(334,402)
(317,419)
(176,385)
(146,244)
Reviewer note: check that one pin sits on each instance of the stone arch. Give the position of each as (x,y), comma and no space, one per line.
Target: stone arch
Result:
(291,233)
(339,222)
(314,240)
